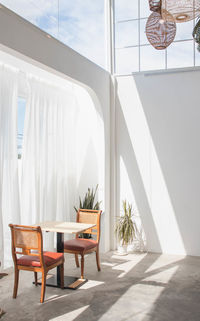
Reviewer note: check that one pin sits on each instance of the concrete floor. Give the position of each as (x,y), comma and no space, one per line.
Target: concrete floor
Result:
(138,287)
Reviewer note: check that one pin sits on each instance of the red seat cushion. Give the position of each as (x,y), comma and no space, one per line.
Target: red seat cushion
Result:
(50,258)
(80,245)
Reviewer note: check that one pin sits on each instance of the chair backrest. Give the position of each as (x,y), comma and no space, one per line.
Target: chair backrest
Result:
(26,240)
(90,217)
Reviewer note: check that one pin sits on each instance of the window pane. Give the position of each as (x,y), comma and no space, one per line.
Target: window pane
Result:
(20,124)
(184,30)
(78,24)
(126,34)
(126,9)
(180,54)
(197,56)
(144,9)
(151,59)
(143,37)
(81,27)
(43,14)
(127,60)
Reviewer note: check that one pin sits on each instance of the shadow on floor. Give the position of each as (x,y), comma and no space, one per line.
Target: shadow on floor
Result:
(141,287)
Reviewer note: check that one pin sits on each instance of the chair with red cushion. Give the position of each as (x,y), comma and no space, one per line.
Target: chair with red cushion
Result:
(81,246)
(28,244)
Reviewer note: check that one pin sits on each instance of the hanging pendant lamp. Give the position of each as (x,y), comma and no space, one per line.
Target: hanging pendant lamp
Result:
(181,10)
(160,33)
(155,5)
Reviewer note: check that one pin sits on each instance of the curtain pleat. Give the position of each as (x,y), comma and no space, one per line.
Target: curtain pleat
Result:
(9,183)
(47,189)
(49,140)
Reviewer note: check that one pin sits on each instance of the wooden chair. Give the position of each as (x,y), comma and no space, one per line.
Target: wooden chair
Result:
(27,242)
(81,246)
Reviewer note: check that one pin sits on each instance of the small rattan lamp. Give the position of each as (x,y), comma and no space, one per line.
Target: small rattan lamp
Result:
(160,33)
(181,10)
(155,5)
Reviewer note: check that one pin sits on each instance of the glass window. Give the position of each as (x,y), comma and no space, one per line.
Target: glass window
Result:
(126,9)
(151,59)
(179,54)
(197,56)
(43,14)
(127,60)
(143,37)
(144,8)
(78,24)
(20,124)
(126,34)
(184,30)
(81,27)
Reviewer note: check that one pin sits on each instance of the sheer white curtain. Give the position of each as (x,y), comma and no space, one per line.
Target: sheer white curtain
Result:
(9,188)
(48,158)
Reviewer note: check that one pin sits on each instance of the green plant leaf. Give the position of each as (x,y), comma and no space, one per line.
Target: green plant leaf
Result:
(126,229)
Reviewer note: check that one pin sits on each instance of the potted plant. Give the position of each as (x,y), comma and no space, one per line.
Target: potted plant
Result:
(89,204)
(125,228)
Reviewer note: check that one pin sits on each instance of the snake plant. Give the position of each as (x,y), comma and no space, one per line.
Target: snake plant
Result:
(89,204)
(196,34)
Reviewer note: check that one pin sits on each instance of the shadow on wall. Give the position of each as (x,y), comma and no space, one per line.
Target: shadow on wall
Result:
(90,150)
(167,104)
(173,121)
(126,151)
(90,142)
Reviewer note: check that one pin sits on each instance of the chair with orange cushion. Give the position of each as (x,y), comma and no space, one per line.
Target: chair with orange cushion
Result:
(81,246)
(28,255)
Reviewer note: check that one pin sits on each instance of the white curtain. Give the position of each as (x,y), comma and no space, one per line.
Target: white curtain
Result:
(48,158)
(9,188)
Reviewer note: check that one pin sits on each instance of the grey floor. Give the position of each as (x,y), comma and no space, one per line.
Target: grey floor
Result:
(139,287)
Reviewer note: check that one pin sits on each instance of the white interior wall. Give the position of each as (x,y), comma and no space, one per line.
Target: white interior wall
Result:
(158,156)
(90,145)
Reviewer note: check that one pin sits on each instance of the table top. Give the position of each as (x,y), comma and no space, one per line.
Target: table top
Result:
(64,227)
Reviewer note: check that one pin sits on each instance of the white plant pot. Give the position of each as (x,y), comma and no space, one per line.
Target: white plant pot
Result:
(122,250)
(130,248)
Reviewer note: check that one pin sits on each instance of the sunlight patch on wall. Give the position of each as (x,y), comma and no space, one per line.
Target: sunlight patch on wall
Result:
(149,167)
(90,144)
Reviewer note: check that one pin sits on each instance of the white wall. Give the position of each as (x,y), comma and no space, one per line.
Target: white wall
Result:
(28,43)
(158,156)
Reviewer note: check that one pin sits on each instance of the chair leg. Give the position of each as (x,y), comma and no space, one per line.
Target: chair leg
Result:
(98,260)
(77,261)
(62,276)
(16,283)
(35,275)
(43,287)
(82,266)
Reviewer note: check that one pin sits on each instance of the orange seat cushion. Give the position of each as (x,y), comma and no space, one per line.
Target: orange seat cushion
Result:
(80,245)
(50,258)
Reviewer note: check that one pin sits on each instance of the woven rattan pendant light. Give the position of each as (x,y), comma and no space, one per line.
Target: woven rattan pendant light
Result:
(181,10)
(160,33)
(155,5)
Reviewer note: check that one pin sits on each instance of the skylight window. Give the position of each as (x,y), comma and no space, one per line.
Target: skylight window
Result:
(78,24)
